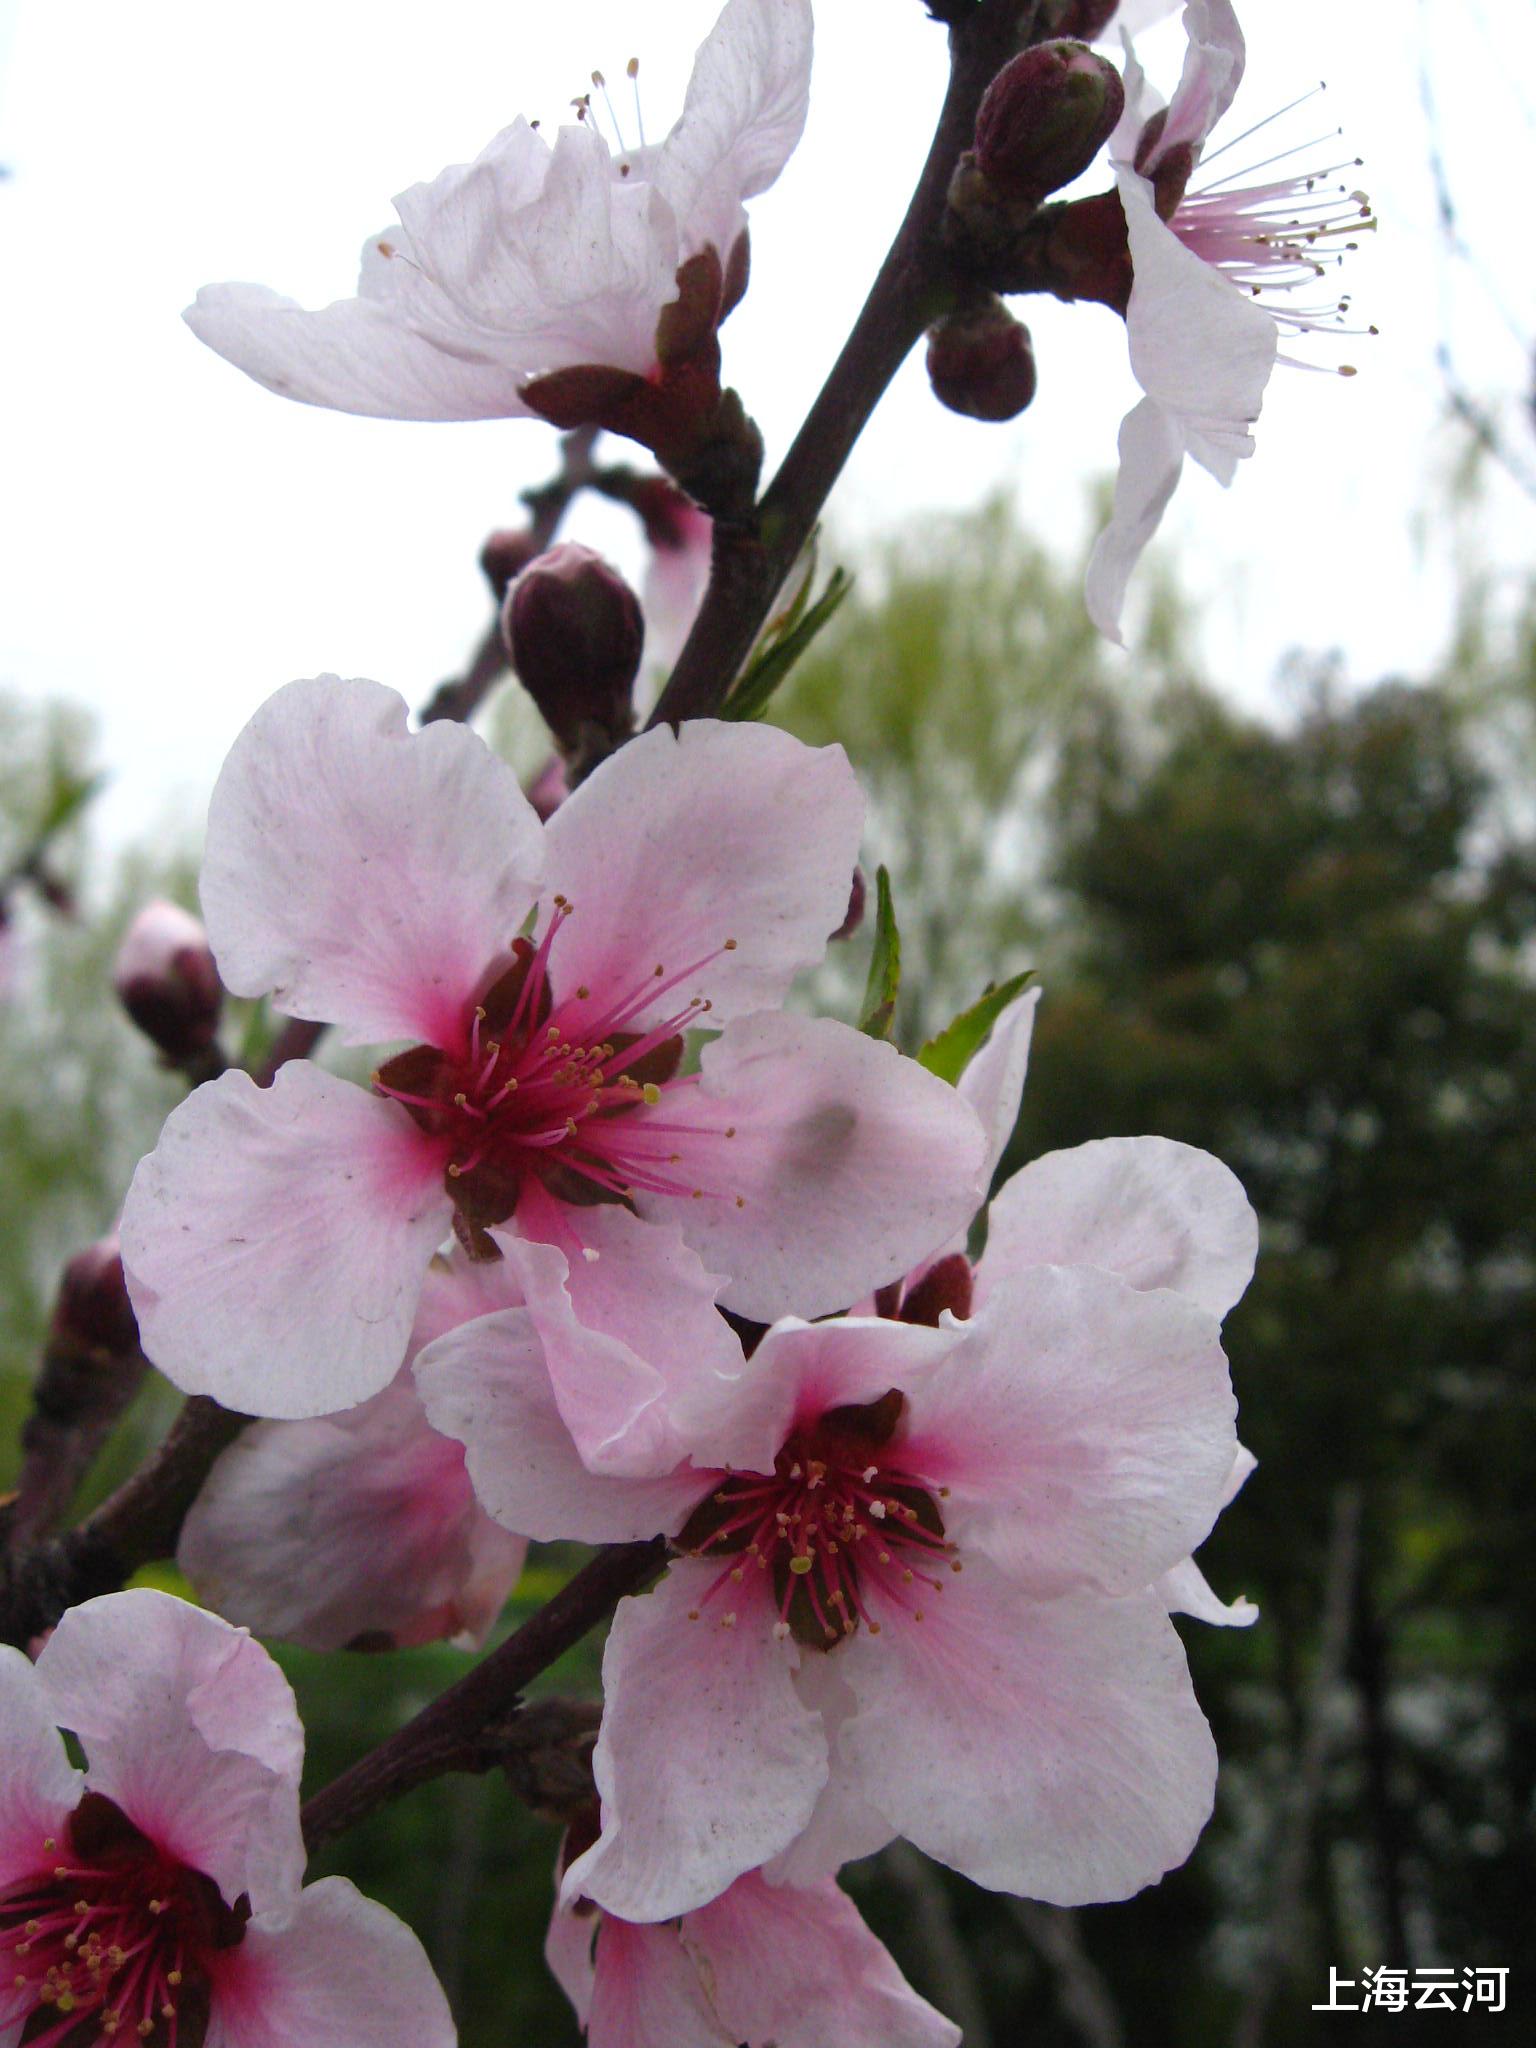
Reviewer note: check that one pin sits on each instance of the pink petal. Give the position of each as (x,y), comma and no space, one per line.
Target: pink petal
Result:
(360,873)
(707,1763)
(800,1370)
(685,840)
(744,114)
(797,1966)
(39,1788)
(1049,1748)
(647,1992)
(191,1728)
(1185,1589)
(848,1164)
(353,356)
(276,1238)
(843,1828)
(1085,1431)
(487,1385)
(343,1973)
(1157,1213)
(626,1314)
(359,1525)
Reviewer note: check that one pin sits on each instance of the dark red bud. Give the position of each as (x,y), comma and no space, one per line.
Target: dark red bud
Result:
(575,632)
(91,1310)
(981,361)
(166,980)
(507,554)
(1045,117)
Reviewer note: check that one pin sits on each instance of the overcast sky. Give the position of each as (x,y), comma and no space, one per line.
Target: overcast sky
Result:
(175,542)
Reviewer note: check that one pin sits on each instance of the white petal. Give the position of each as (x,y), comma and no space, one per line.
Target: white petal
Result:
(1052,1749)
(707,1762)
(360,873)
(1158,1213)
(276,1238)
(685,840)
(39,1788)
(1151,459)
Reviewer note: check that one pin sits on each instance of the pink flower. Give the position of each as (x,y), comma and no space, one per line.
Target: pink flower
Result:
(157,1897)
(1217,271)
(276,1239)
(360,1530)
(916,1593)
(771,1966)
(540,258)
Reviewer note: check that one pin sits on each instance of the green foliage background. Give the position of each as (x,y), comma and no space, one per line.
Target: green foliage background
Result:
(1305,944)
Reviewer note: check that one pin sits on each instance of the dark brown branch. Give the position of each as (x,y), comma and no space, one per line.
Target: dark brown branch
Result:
(134,1526)
(914,285)
(467,1727)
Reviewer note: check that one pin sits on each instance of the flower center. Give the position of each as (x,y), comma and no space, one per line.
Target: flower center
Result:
(838,1513)
(109,1939)
(554,1086)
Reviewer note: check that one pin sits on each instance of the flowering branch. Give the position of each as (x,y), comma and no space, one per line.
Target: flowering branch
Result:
(452,1732)
(916,282)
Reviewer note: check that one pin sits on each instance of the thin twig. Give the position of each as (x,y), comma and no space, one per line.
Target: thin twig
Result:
(1082,1989)
(451,1733)
(942,1958)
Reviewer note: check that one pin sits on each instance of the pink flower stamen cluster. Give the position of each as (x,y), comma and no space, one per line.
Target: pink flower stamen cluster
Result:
(835,1512)
(109,1942)
(555,1083)
(1278,236)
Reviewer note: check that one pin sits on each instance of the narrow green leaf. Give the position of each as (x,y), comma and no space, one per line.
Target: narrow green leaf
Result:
(884,964)
(951,1051)
(66,800)
(750,697)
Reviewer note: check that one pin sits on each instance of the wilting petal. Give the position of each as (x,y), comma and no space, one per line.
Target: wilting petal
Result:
(276,1238)
(39,1787)
(191,1728)
(1084,1430)
(847,1165)
(356,1526)
(626,1313)
(362,874)
(797,1966)
(1049,1748)
(343,1973)
(730,833)
(707,1762)
(487,1385)
(1151,459)
(1159,1214)
(744,114)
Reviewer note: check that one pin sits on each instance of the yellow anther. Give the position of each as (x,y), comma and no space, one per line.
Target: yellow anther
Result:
(651,1092)
(730,945)
(800,1565)
(454,1170)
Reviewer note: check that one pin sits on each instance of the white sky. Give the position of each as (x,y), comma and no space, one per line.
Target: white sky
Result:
(175,542)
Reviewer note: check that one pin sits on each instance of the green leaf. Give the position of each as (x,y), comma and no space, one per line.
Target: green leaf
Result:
(67,798)
(884,964)
(951,1051)
(750,697)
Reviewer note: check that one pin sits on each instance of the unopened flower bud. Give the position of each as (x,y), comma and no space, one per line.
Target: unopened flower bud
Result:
(575,632)
(1044,119)
(166,981)
(91,1311)
(506,554)
(981,361)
